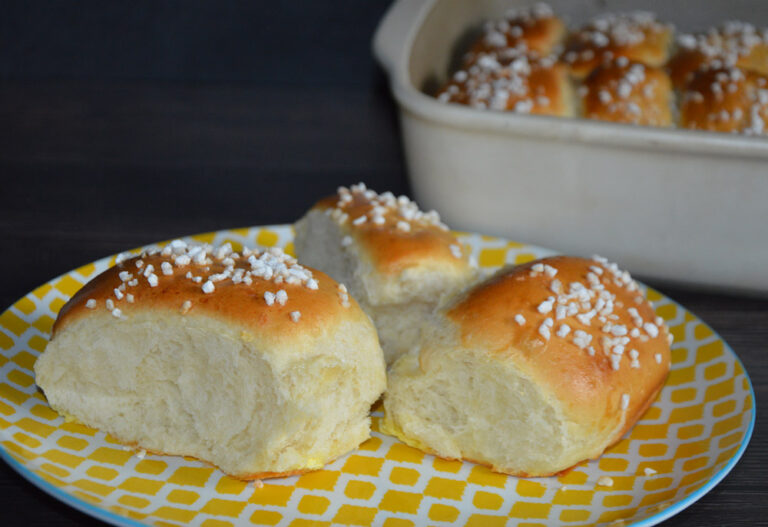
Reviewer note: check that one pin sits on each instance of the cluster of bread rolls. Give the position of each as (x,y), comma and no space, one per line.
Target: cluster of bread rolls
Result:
(624,68)
(266,367)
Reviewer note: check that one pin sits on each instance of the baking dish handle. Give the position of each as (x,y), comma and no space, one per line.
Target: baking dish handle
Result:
(393,36)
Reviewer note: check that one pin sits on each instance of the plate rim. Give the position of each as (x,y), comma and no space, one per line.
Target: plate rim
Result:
(113,518)
(713,481)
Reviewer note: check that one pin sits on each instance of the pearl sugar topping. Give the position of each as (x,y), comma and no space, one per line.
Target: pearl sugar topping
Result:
(381,209)
(194,262)
(592,304)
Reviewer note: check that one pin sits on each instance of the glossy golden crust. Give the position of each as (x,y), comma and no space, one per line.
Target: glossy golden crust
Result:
(687,62)
(756,60)
(392,249)
(512,82)
(731,44)
(621,91)
(715,100)
(603,394)
(240,303)
(684,64)
(725,100)
(537,34)
(637,37)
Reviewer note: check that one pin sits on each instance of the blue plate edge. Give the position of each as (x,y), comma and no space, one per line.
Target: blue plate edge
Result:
(76,503)
(720,475)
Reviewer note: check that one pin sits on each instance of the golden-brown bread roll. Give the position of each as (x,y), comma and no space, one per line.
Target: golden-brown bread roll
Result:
(247,360)
(511,81)
(532,371)
(398,262)
(732,44)
(534,29)
(725,99)
(637,36)
(622,91)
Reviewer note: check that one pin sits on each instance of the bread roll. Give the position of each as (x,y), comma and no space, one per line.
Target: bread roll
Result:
(512,81)
(637,36)
(725,99)
(532,371)
(398,262)
(628,92)
(732,44)
(532,29)
(248,361)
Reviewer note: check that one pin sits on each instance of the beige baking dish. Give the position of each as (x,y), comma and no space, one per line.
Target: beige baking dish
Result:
(670,204)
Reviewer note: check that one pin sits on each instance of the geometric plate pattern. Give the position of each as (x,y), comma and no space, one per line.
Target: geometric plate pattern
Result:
(690,438)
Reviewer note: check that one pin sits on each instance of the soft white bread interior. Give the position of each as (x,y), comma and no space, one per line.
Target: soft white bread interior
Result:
(399,263)
(532,371)
(248,361)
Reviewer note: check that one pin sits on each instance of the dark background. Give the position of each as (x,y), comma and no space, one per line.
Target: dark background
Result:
(126,123)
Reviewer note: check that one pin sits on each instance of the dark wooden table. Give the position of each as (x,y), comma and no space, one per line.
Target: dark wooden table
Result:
(125,124)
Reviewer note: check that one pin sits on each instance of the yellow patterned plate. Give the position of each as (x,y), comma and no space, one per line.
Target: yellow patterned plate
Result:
(691,437)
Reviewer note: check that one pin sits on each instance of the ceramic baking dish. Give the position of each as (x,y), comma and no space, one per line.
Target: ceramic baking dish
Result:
(678,205)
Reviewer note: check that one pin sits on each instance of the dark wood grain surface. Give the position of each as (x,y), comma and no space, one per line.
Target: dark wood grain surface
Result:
(123,124)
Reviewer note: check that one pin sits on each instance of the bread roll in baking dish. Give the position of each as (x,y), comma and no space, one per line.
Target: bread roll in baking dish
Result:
(247,360)
(731,44)
(637,36)
(532,29)
(398,262)
(532,371)
(725,99)
(628,92)
(514,81)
